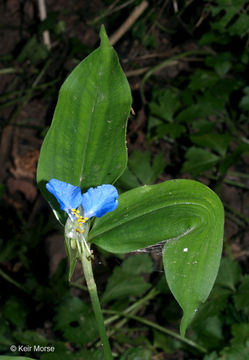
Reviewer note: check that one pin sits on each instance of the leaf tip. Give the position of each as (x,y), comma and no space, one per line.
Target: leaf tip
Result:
(103,36)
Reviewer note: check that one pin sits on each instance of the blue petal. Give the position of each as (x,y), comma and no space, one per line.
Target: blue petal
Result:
(68,196)
(99,201)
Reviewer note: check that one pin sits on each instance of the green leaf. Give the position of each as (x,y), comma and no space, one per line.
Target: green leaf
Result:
(240,333)
(62,352)
(235,352)
(139,164)
(33,51)
(164,104)
(229,274)
(127,180)
(30,337)
(212,356)
(213,141)
(241,298)
(227,10)
(85,145)
(141,171)
(126,280)
(216,303)
(187,214)
(73,318)
(139,353)
(15,311)
(221,62)
(167,343)
(202,80)
(209,333)
(233,158)
(173,130)
(198,161)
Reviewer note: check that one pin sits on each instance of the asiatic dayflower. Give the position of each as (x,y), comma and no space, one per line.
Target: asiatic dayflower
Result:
(81,207)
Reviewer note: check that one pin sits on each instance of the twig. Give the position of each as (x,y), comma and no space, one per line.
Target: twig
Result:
(111,10)
(43,16)
(128,22)
(10,71)
(136,72)
(168,62)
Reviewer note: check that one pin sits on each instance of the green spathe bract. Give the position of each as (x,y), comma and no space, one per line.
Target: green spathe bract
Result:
(85,147)
(189,216)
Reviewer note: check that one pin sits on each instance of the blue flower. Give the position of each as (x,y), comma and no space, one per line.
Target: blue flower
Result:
(68,196)
(100,200)
(95,202)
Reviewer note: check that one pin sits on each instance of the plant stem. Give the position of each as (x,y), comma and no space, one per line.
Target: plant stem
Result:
(87,269)
(134,307)
(11,281)
(160,328)
(168,62)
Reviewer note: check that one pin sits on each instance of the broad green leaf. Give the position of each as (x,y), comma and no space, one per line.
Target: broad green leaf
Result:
(189,216)
(198,161)
(85,145)
(126,280)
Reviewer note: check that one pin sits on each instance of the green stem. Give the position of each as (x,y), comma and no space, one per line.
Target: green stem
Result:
(9,71)
(168,62)
(87,269)
(11,281)
(229,182)
(134,307)
(237,213)
(78,286)
(159,328)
